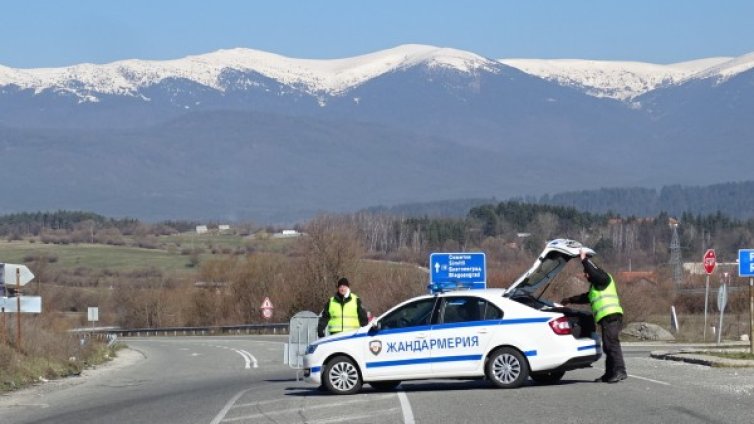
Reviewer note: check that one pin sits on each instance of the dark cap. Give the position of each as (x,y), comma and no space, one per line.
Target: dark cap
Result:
(343,281)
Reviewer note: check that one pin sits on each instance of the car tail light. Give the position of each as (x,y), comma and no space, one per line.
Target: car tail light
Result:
(560,326)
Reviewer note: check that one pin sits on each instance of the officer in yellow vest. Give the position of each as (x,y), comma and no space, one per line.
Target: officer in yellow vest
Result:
(342,312)
(603,297)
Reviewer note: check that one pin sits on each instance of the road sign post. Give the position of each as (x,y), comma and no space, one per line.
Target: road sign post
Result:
(18,309)
(746,269)
(464,269)
(709,261)
(722,301)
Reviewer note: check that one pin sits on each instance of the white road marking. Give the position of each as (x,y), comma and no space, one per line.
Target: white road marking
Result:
(220,415)
(246,359)
(253,359)
(351,417)
(327,420)
(408,414)
(650,380)
(298,409)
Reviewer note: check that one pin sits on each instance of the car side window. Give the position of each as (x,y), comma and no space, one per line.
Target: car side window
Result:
(492,312)
(467,309)
(411,315)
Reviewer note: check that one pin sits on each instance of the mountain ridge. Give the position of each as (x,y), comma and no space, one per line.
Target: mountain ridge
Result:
(620,80)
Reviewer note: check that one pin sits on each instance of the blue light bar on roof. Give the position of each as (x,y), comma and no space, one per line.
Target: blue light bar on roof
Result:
(446,286)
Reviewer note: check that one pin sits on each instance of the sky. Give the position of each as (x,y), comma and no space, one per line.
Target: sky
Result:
(54,33)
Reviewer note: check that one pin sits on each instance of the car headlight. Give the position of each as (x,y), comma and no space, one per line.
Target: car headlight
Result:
(311,348)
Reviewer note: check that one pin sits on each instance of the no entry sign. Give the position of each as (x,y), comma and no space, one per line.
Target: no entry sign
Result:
(709,261)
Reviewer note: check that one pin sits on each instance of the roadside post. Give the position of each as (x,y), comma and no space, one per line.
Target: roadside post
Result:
(20,304)
(18,309)
(746,269)
(722,301)
(709,260)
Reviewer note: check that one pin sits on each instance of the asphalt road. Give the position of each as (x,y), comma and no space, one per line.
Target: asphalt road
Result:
(212,380)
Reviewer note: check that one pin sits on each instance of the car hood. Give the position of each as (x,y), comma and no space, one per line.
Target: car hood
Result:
(549,263)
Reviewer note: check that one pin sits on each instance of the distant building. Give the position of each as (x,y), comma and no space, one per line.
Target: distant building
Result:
(287,234)
(223,228)
(201,229)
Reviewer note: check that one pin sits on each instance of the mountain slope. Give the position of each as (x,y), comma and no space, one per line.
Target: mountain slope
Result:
(252,135)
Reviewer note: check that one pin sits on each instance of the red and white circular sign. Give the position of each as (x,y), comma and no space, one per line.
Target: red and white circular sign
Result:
(709,261)
(267,313)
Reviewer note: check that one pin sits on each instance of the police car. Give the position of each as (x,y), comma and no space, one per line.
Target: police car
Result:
(503,335)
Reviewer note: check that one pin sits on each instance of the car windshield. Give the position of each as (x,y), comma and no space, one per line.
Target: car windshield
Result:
(410,315)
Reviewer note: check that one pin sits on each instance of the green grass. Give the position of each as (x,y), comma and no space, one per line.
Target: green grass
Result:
(170,256)
(94,256)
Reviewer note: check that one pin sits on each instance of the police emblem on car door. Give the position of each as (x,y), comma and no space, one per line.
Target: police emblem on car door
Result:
(398,345)
(375,346)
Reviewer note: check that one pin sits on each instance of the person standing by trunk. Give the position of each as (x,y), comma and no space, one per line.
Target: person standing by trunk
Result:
(342,312)
(603,297)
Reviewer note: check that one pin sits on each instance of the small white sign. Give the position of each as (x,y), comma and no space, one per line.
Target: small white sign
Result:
(29,304)
(93,313)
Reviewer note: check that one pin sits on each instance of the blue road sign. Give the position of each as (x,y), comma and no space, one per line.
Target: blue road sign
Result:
(746,263)
(466,269)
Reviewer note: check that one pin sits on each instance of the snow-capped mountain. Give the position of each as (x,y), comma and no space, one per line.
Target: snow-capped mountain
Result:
(620,80)
(245,134)
(129,77)
(613,79)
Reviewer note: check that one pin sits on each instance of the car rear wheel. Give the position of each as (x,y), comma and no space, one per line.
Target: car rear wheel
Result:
(342,376)
(551,377)
(384,386)
(507,368)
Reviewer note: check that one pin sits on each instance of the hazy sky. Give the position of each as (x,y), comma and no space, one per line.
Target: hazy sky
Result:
(36,33)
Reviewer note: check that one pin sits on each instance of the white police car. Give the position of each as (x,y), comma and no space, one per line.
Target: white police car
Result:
(504,335)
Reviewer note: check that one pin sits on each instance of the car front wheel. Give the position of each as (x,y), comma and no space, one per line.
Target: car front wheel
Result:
(341,376)
(507,368)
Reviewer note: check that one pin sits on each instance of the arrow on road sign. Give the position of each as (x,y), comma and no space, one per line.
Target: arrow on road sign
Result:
(8,277)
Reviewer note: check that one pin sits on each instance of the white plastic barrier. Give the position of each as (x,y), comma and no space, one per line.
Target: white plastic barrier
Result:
(302,330)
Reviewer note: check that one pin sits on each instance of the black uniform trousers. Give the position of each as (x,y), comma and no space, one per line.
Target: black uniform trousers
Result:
(611,327)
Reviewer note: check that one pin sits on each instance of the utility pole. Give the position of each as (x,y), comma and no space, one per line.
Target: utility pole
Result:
(675,255)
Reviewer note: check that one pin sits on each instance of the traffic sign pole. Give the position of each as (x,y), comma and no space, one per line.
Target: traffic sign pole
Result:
(706,301)
(746,269)
(18,309)
(709,262)
(751,315)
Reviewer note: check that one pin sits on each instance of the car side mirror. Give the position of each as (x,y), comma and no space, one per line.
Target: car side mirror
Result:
(374,327)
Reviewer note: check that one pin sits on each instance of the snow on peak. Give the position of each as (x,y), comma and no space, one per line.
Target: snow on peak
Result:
(728,68)
(316,76)
(614,79)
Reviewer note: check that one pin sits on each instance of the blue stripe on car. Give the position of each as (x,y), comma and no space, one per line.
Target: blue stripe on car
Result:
(516,321)
(316,369)
(531,353)
(416,361)
(594,346)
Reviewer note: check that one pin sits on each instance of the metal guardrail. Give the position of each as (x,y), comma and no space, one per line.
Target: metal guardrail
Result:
(272,328)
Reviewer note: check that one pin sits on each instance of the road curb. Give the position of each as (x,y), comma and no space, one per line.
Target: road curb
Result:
(697,357)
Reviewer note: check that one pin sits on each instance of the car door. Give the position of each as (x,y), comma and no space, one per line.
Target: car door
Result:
(462,334)
(398,346)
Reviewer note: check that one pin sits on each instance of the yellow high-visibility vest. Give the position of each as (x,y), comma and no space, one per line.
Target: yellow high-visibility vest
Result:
(604,302)
(343,317)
